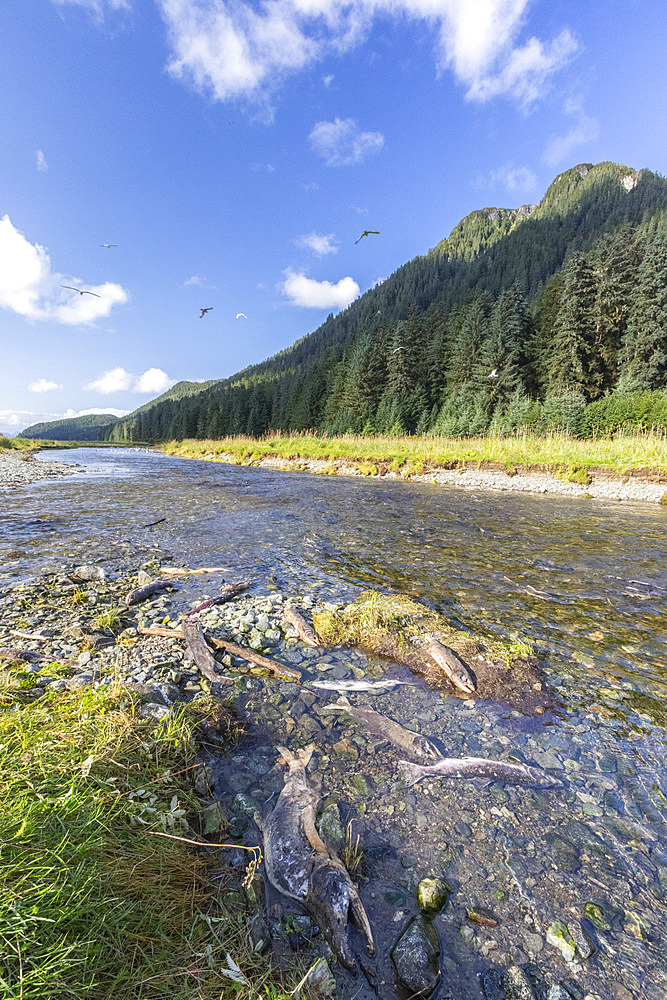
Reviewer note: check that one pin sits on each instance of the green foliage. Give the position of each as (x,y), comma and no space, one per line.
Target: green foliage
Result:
(85,428)
(564,301)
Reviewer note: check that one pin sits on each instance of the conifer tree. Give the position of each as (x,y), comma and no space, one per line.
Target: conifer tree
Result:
(644,352)
(572,365)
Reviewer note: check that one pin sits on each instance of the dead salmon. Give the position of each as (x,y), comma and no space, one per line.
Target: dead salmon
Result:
(372,687)
(299,865)
(306,631)
(382,725)
(479,767)
(451,666)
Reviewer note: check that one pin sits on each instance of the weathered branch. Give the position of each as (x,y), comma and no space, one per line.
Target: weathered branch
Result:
(203,657)
(143,592)
(226,593)
(260,661)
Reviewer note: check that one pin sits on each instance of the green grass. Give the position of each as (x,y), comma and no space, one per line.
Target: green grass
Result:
(410,455)
(91,904)
(29,444)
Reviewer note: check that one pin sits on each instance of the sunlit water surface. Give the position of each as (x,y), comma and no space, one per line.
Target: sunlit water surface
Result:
(585,582)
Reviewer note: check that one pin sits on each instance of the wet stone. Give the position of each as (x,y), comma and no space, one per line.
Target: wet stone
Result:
(432,894)
(415,957)
(517,984)
(581,939)
(462,829)
(330,827)
(559,936)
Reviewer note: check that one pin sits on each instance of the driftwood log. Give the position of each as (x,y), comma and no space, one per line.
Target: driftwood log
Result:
(256,658)
(279,669)
(202,655)
(226,593)
(143,592)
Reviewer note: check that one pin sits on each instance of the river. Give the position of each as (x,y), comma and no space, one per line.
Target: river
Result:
(584,584)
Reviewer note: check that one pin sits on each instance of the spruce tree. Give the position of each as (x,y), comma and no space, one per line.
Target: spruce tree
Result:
(644,351)
(572,365)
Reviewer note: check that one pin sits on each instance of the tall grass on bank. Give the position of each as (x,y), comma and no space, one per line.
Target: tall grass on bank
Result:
(29,444)
(620,453)
(91,906)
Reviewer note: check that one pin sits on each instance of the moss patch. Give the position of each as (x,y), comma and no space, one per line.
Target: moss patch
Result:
(394,626)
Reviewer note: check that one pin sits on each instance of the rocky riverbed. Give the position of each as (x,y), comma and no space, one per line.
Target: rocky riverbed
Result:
(500,892)
(603,485)
(20,467)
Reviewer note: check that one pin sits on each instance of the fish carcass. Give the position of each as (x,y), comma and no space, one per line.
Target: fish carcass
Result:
(451,666)
(382,725)
(479,767)
(301,866)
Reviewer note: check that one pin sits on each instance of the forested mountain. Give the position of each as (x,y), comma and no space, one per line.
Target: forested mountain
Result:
(90,425)
(85,428)
(547,315)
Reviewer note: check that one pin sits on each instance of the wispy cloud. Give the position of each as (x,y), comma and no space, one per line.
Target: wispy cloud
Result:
(41,161)
(43,385)
(153,381)
(340,143)
(310,294)
(98,8)
(201,281)
(317,243)
(232,49)
(582,130)
(30,288)
(517,180)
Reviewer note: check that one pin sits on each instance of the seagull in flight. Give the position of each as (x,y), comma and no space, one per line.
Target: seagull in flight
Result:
(494,373)
(108,245)
(203,311)
(238,315)
(367,232)
(397,349)
(81,291)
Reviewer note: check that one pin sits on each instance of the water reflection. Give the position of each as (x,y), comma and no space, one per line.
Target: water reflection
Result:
(585,583)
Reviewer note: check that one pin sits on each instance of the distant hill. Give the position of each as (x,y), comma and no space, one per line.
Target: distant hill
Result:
(85,428)
(90,426)
(519,318)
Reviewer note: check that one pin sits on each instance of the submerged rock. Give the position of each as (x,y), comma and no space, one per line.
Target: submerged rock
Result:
(415,957)
(517,984)
(559,936)
(330,827)
(432,894)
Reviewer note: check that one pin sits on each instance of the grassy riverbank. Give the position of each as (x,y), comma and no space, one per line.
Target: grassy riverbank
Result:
(412,455)
(91,904)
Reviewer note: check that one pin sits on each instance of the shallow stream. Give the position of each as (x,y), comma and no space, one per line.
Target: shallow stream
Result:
(584,582)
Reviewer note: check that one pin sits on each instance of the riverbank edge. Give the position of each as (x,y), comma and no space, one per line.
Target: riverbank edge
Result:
(635,486)
(20,467)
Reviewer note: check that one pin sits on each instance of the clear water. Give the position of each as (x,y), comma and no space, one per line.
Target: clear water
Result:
(584,583)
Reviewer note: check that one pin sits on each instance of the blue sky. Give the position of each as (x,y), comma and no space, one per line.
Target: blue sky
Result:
(235,151)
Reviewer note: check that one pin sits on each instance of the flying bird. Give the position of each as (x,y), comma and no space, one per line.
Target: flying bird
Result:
(202,311)
(367,232)
(238,315)
(108,245)
(494,373)
(397,349)
(81,291)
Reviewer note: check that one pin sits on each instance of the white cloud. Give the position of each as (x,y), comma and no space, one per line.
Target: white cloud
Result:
(41,161)
(153,380)
(341,144)
(30,288)
(317,243)
(583,129)
(328,79)
(229,49)
(311,294)
(114,380)
(43,385)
